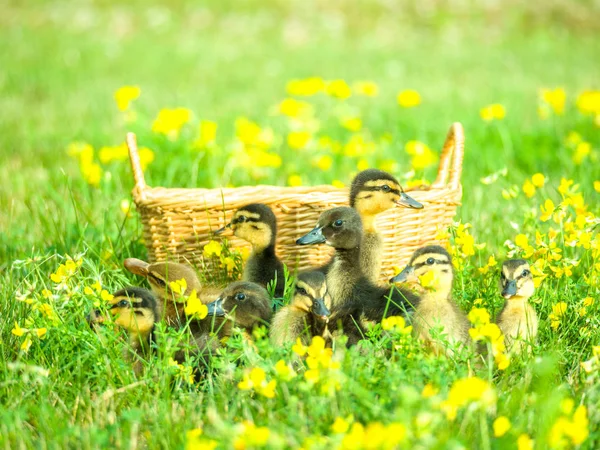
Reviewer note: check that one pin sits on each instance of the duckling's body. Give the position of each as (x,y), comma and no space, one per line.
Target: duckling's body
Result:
(518,320)
(136,311)
(435,308)
(257,224)
(373,192)
(306,316)
(354,298)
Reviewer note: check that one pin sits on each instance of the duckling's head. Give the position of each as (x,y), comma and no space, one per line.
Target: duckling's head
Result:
(431,267)
(133,309)
(309,295)
(254,223)
(244,303)
(160,274)
(339,227)
(375,191)
(516,279)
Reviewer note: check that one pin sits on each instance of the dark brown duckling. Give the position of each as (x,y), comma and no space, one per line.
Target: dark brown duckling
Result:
(354,298)
(257,225)
(432,265)
(373,192)
(307,315)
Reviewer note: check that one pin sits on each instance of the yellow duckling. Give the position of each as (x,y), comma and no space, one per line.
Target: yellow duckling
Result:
(306,316)
(371,193)
(517,320)
(431,266)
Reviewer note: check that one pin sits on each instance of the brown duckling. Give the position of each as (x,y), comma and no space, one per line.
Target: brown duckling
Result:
(431,267)
(257,224)
(371,193)
(518,320)
(354,298)
(136,311)
(307,315)
(160,275)
(243,304)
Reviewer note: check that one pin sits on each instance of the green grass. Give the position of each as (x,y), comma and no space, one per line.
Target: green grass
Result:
(61,66)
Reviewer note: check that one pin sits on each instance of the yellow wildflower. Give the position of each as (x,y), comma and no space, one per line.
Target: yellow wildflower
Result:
(125,95)
(555,98)
(338,184)
(524,442)
(338,89)
(207,133)
(178,286)
(421,155)
(547,209)
(362,164)
(396,323)
(170,121)
(558,311)
(306,87)
(295,180)
(582,151)
(40,332)
(256,379)
(597,186)
(565,186)
(429,390)
(18,331)
(295,108)
(493,112)
(409,98)
(299,348)
(251,436)
(47,294)
(588,102)
(351,123)
(324,162)
(538,180)
(479,316)
(212,248)
(529,188)
(26,345)
(194,441)
(194,307)
(284,371)
(298,139)
(501,426)
(366,88)
(340,425)
(105,295)
(146,157)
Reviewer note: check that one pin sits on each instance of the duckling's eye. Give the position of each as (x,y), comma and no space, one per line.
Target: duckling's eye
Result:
(525,273)
(386,188)
(338,223)
(240,297)
(430,261)
(301,291)
(123,303)
(241,218)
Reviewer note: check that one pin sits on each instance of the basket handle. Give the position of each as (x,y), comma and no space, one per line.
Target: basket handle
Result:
(136,166)
(451,160)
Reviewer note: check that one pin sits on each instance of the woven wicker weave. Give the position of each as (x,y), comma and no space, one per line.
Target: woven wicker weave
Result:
(177,222)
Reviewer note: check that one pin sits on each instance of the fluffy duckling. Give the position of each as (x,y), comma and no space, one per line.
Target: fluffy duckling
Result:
(307,315)
(136,311)
(371,193)
(257,224)
(160,275)
(243,304)
(354,298)
(517,320)
(436,307)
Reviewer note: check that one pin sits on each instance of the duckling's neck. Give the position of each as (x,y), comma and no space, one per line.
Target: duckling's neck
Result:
(368,221)
(264,248)
(432,297)
(140,340)
(345,271)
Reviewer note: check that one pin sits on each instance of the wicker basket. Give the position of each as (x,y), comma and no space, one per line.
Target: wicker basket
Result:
(178,222)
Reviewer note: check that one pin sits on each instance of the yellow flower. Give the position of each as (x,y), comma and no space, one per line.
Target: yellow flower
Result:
(92,174)
(125,95)
(582,151)
(104,295)
(284,371)
(146,157)
(362,164)
(421,155)
(252,436)
(307,87)
(479,316)
(26,345)
(299,348)
(312,375)
(588,102)
(493,112)
(40,332)
(298,139)
(555,98)
(340,425)
(429,390)
(194,307)
(366,88)
(178,286)
(195,442)
(524,442)
(295,180)
(257,379)
(18,331)
(351,123)
(501,426)
(47,294)
(396,323)
(324,162)
(295,108)
(207,133)
(170,121)
(409,98)
(337,184)
(597,186)
(565,186)
(338,89)
(547,209)
(529,188)
(212,248)
(538,180)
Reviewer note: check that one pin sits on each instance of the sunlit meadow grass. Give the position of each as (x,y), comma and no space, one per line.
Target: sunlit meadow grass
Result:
(513,78)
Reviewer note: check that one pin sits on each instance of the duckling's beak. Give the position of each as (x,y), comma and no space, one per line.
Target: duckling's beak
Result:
(320,310)
(407,201)
(137,266)
(510,289)
(222,230)
(407,275)
(313,237)
(216,308)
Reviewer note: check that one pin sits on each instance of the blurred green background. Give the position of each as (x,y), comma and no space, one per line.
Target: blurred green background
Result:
(62,62)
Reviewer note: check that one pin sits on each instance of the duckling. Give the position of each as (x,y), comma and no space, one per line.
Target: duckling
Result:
(257,224)
(354,298)
(517,320)
(136,311)
(372,192)
(436,306)
(307,315)
(160,275)
(243,304)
